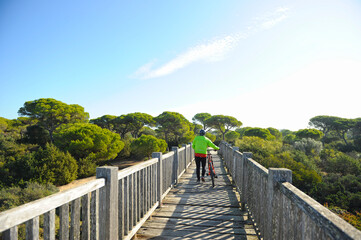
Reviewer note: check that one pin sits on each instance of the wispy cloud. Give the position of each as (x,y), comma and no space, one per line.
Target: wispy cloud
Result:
(211,51)
(271,19)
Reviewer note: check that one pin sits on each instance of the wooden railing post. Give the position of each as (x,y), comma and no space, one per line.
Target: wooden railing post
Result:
(175,164)
(234,170)
(244,178)
(49,225)
(191,152)
(274,175)
(32,228)
(11,234)
(185,157)
(108,199)
(159,177)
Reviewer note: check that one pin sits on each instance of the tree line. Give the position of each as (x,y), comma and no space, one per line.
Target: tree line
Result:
(53,143)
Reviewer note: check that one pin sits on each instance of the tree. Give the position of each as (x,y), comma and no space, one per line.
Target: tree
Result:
(147,144)
(83,139)
(259,132)
(54,166)
(285,132)
(223,123)
(36,135)
(242,130)
(323,123)
(356,130)
(174,126)
(147,131)
(275,132)
(202,119)
(3,124)
(197,128)
(51,113)
(136,121)
(120,126)
(105,121)
(309,133)
(231,136)
(133,123)
(342,126)
(289,138)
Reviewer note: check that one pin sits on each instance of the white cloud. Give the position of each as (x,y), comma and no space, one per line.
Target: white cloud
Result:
(214,50)
(271,22)
(271,19)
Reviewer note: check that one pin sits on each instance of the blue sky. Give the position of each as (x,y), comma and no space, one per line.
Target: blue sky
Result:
(267,63)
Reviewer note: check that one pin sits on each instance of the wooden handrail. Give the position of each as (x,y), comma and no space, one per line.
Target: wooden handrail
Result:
(33,209)
(128,195)
(280,210)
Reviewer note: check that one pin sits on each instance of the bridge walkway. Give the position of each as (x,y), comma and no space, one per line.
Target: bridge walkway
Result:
(194,210)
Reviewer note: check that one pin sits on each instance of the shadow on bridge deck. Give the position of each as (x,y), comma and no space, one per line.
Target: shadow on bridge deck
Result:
(194,210)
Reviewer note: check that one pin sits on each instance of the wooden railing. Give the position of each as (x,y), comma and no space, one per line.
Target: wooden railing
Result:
(279,209)
(114,206)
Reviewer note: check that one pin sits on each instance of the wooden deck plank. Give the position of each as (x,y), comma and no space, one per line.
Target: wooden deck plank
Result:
(193,210)
(185,234)
(200,229)
(199,222)
(203,202)
(204,216)
(200,209)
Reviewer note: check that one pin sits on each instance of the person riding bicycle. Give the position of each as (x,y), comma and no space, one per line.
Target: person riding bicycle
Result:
(200,145)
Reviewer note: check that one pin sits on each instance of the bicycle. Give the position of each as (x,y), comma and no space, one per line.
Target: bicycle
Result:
(211,166)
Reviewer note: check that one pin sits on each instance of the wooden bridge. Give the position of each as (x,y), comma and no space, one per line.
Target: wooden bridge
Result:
(159,199)
(194,210)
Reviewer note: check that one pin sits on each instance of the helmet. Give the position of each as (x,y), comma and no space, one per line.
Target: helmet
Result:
(202,132)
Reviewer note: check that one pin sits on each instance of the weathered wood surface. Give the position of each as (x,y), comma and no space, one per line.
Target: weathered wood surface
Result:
(194,210)
(23,213)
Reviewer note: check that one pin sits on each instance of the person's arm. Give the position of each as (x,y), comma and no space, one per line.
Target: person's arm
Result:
(210,144)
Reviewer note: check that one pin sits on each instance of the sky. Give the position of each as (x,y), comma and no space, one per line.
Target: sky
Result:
(268,63)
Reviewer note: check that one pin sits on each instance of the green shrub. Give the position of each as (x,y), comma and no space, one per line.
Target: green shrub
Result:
(333,161)
(309,146)
(146,145)
(54,166)
(16,196)
(87,166)
(83,139)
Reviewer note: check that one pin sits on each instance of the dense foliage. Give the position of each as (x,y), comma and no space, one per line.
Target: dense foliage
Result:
(83,140)
(53,143)
(147,144)
(223,123)
(174,128)
(325,160)
(51,113)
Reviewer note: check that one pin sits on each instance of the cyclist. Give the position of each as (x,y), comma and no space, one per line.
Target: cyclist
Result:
(200,145)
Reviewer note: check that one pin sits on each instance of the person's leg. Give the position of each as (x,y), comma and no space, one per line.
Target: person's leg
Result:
(203,160)
(198,164)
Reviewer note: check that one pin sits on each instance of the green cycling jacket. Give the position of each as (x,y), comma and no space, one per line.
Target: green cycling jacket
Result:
(201,143)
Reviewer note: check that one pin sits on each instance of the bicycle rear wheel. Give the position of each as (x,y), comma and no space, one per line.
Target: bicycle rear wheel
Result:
(212,173)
